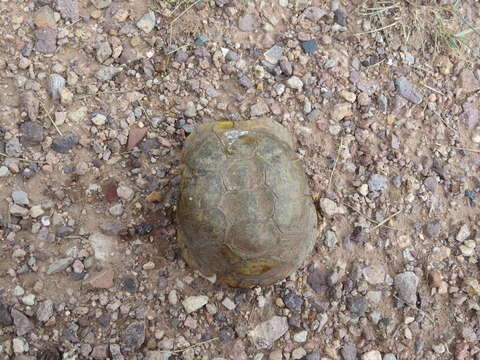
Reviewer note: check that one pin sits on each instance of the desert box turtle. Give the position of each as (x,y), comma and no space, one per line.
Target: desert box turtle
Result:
(245,212)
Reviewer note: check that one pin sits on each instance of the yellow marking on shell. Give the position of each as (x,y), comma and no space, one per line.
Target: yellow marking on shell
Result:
(229,255)
(223,125)
(255,267)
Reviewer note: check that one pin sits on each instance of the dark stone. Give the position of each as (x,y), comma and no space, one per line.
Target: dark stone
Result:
(65,143)
(358,235)
(129,283)
(318,281)
(49,354)
(202,39)
(340,17)
(144,229)
(357,305)
(5,317)
(134,336)
(104,320)
(293,302)
(227,334)
(295,321)
(310,46)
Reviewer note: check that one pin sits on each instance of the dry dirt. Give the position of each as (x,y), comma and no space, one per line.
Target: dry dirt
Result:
(95,105)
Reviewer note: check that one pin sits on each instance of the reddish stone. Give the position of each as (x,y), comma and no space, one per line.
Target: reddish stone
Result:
(135,136)
(461,351)
(102,280)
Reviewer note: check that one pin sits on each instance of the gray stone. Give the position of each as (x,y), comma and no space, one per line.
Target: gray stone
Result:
(104,51)
(63,144)
(4,171)
(100,352)
(19,346)
(17,210)
(349,352)
(116,210)
(259,109)
(248,22)
(406,287)
(470,115)
(116,352)
(23,325)
(13,147)
(374,274)
(266,333)
(46,40)
(190,111)
(20,197)
(29,300)
(310,46)
(55,83)
(147,22)
(295,83)
(134,336)
(193,303)
(313,356)
(330,207)
(330,239)
(59,265)
(45,310)
(407,91)
(158,355)
(372,355)
(389,357)
(463,234)
(433,228)
(101,4)
(68,9)
(314,13)
(30,104)
(32,133)
(274,54)
(314,115)
(245,81)
(5,317)
(107,73)
(377,182)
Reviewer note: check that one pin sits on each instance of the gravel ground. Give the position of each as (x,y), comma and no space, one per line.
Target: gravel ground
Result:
(97,99)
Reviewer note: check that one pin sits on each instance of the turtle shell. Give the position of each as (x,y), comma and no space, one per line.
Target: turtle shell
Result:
(245,212)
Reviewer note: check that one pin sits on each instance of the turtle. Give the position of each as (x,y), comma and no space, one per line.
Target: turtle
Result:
(245,212)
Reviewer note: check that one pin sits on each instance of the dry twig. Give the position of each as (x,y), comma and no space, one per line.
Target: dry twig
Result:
(189,347)
(335,163)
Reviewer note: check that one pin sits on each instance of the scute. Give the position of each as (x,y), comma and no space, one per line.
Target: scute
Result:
(244,175)
(208,156)
(249,205)
(253,238)
(244,211)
